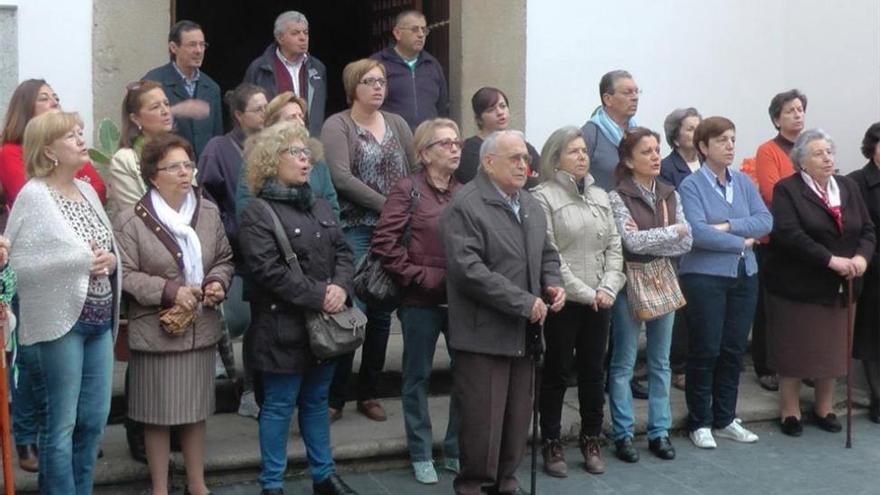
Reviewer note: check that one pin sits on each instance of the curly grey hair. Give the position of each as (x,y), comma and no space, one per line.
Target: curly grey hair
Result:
(799,150)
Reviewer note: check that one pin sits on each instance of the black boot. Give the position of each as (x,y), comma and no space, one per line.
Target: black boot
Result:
(134,434)
(333,485)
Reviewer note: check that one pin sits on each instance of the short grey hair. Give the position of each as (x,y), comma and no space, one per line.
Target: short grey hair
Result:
(554,147)
(289,16)
(606,84)
(490,145)
(672,124)
(799,150)
(398,19)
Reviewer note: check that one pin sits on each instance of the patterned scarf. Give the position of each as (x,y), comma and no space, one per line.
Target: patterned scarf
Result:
(830,196)
(301,197)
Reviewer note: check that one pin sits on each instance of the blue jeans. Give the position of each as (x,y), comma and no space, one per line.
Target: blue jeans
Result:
(75,380)
(422,327)
(719,313)
(282,393)
(625,337)
(28,404)
(375,336)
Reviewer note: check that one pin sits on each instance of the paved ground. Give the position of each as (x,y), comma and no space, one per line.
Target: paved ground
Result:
(816,463)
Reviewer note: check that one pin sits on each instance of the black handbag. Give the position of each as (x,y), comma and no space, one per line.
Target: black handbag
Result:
(372,284)
(330,335)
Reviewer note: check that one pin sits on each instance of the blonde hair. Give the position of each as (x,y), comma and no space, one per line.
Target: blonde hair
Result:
(354,71)
(426,131)
(262,152)
(40,132)
(273,108)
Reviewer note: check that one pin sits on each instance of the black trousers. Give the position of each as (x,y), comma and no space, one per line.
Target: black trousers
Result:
(759,324)
(678,352)
(579,331)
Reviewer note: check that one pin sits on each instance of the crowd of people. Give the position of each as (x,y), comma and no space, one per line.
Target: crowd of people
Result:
(508,253)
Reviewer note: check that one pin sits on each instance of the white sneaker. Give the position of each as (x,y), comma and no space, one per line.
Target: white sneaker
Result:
(702,438)
(248,406)
(736,432)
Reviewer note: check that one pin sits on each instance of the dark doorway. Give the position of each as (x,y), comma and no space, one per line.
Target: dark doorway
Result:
(340,31)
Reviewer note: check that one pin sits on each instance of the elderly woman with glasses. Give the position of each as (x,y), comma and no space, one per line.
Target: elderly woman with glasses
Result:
(175,258)
(287,375)
(368,151)
(65,256)
(820,245)
(581,226)
(408,243)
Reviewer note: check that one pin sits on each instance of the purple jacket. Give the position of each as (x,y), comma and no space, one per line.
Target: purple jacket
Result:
(414,95)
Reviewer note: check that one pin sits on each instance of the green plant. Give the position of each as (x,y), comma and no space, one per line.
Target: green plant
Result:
(105,148)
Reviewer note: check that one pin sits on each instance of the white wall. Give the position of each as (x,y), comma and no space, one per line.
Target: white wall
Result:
(723,57)
(55,44)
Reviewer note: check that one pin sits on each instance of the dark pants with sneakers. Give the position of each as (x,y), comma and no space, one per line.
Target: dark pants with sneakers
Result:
(719,313)
(576,329)
(678,352)
(494,394)
(759,324)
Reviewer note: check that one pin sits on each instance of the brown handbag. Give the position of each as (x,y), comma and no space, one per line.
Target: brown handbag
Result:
(176,319)
(652,288)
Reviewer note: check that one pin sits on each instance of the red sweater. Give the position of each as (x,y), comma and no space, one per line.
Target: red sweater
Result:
(13,176)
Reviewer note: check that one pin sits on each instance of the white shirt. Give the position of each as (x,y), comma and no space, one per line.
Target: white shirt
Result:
(293,68)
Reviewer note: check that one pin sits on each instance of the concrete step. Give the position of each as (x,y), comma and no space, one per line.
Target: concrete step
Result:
(233,445)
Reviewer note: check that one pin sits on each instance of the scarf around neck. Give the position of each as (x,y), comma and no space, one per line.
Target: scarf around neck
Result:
(608,127)
(830,197)
(301,197)
(178,223)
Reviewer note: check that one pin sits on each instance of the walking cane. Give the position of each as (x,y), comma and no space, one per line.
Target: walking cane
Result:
(849,337)
(5,433)
(537,350)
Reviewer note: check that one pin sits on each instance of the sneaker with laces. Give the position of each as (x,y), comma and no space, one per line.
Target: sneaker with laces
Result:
(702,438)
(248,406)
(425,472)
(736,432)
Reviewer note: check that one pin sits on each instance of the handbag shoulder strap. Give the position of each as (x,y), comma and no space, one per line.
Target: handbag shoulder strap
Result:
(280,236)
(665,213)
(414,196)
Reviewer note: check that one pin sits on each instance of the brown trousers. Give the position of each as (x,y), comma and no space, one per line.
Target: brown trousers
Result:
(494,394)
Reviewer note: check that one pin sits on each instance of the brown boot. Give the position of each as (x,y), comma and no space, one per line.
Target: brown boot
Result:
(554,458)
(591,448)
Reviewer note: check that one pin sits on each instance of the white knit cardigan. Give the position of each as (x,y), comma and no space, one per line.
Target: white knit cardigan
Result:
(52,263)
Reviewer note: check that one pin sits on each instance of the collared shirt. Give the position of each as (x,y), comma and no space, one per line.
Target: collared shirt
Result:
(724,190)
(293,68)
(512,200)
(189,84)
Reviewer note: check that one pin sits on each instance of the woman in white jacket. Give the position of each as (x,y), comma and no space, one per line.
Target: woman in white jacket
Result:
(581,226)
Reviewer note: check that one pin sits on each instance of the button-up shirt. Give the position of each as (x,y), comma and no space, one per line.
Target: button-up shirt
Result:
(512,200)
(724,190)
(293,68)
(189,84)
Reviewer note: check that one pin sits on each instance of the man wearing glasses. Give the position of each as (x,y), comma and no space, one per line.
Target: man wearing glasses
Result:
(416,84)
(194,97)
(287,65)
(500,268)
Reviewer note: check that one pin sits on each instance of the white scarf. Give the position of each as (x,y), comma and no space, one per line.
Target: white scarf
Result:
(179,225)
(832,193)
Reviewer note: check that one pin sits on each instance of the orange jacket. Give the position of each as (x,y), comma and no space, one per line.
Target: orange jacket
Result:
(771,166)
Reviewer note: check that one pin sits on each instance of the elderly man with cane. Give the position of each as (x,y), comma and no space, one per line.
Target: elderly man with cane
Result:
(500,264)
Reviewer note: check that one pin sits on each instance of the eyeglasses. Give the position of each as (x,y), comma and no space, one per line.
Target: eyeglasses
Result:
(192,45)
(629,93)
(446,143)
(177,167)
(517,158)
(299,152)
(417,29)
(373,81)
(259,109)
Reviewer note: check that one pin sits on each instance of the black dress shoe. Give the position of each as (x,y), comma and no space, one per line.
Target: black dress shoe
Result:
(273,491)
(187,492)
(792,426)
(333,485)
(625,450)
(662,448)
(639,391)
(829,422)
(874,412)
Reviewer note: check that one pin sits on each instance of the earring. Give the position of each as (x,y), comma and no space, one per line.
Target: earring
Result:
(54,162)
(140,127)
